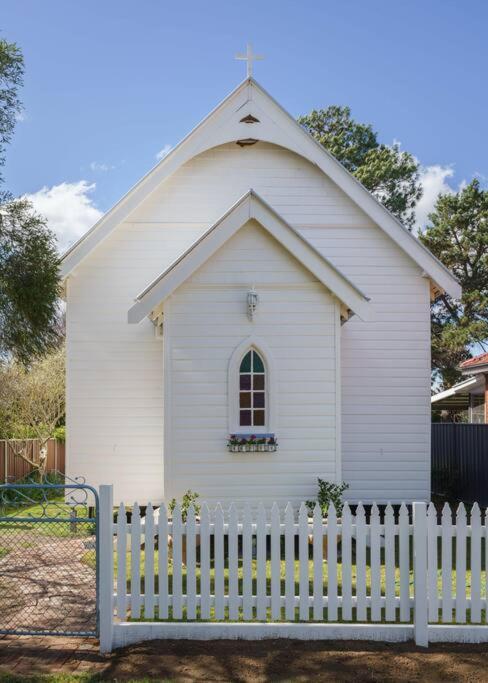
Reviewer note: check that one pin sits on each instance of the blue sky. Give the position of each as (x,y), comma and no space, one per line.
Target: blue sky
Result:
(111,83)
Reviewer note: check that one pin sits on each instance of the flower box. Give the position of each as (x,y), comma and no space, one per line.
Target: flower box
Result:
(238,443)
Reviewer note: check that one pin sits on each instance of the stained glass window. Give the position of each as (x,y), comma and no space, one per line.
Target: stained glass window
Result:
(252,391)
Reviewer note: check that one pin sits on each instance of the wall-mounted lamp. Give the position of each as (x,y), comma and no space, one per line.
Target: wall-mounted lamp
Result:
(252,303)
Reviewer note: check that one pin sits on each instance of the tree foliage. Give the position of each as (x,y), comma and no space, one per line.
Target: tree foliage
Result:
(28,283)
(458,235)
(28,256)
(32,401)
(11,78)
(391,174)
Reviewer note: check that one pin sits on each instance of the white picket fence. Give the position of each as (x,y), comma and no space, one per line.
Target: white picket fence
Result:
(268,574)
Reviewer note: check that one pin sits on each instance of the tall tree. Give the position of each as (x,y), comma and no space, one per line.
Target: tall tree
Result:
(28,257)
(391,174)
(32,403)
(11,78)
(458,235)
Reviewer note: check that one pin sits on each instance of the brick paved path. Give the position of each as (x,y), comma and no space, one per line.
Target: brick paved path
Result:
(47,582)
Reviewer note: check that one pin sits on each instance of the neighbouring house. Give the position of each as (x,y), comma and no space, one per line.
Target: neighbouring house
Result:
(466,401)
(249,285)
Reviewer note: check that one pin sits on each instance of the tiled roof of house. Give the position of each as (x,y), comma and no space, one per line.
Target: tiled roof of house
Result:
(482,359)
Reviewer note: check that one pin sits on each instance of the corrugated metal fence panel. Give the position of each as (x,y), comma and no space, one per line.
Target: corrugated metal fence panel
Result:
(460,461)
(13,468)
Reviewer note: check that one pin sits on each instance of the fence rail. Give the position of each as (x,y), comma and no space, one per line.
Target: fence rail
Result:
(13,468)
(460,461)
(267,572)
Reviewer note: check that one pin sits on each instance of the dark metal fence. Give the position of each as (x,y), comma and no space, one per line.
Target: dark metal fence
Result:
(48,559)
(460,462)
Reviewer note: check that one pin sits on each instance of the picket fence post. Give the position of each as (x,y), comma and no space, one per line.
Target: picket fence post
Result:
(106,567)
(420,614)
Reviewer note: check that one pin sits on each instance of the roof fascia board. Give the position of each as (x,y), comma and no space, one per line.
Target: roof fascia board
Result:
(456,389)
(249,207)
(312,150)
(310,257)
(192,144)
(189,262)
(281,129)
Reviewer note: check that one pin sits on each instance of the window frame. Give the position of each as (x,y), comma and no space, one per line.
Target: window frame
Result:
(252,391)
(238,355)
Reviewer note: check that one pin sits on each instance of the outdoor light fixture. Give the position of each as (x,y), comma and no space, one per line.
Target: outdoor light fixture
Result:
(252,303)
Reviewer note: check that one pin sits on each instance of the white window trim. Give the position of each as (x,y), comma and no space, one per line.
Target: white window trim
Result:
(238,354)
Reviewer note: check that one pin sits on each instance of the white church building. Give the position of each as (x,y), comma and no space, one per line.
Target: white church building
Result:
(249,287)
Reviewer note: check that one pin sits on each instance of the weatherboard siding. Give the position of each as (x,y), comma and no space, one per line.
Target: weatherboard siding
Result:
(297,324)
(385,367)
(115,370)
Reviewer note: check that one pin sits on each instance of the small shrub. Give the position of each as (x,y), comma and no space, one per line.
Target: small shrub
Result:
(189,498)
(60,433)
(328,493)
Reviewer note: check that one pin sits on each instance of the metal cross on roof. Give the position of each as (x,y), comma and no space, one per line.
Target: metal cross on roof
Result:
(249,57)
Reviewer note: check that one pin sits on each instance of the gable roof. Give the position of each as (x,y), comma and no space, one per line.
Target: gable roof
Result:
(476,364)
(250,206)
(227,123)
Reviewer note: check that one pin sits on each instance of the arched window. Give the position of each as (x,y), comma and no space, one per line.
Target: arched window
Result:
(252,390)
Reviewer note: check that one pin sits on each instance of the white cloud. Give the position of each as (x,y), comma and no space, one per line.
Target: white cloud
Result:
(434,182)
(68,209)
(164,152)
(100,166)
(21,116)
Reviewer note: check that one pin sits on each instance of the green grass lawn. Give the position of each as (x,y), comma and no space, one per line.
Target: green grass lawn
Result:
(47,512)
(296,578)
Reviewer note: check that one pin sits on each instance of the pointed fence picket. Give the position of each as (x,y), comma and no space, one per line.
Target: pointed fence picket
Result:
(404,561)
(318,565)
(432,563)
(446,531)
(275,563)
(346,563)
(163,591)
(247,564)
(233,563)
(135,559)
(121,565)
(332,564)
(219,562)
(375,560)
(261,563)
(289,563)
(303,562)
(361,535)
(191,575)
(361,566)
(149,563)
(390,592)
(205,562)
(461,565)
(177,564)
(475,564)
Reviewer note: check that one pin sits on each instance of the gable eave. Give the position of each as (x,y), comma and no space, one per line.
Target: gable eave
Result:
(306,146)
(249,206)
(71,258)
(378,212)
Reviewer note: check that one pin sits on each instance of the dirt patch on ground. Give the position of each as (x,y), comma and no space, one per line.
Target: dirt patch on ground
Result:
(47,583)
(225,660)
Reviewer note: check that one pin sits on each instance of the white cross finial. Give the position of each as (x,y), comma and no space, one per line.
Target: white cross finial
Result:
(249,57)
